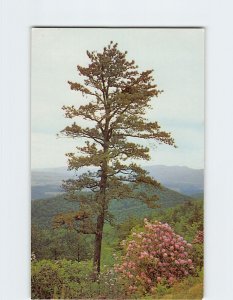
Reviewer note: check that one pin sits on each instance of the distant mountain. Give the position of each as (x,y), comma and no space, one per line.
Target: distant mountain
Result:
(45,209)
(45,191)
(47,182)
(53,176)
(181,179)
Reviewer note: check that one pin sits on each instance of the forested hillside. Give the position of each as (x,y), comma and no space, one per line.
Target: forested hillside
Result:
(44,210)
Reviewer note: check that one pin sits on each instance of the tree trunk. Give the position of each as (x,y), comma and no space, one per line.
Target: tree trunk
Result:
(78,253)
(101,216)
(98,242)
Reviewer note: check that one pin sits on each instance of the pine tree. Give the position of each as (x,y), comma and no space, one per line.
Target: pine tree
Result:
(118,96)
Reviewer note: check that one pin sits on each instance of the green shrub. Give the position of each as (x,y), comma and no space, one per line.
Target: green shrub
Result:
(58,279)
(66,279)
(198,256)
(46,278)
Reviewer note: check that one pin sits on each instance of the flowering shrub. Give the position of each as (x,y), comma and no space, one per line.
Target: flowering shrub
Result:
(155,255)
(199,238)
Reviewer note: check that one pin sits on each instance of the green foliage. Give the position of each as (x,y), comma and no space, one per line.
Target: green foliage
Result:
(109,245)
(61,278)
(45,279)
(65,279)
(43,211)
(123,229)
(198,255)
(60,243)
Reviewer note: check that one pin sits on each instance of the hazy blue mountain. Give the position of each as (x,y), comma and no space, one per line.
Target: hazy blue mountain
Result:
(47,182)
(181,179)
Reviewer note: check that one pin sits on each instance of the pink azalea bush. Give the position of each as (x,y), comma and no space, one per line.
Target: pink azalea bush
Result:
(199,238)
(153,256)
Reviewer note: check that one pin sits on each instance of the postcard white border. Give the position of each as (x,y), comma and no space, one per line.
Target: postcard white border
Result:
(17,17)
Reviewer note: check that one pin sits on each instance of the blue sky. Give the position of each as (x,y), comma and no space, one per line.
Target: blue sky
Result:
(177,57)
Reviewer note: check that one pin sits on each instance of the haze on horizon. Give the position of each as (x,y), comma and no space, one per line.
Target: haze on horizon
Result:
(177,57)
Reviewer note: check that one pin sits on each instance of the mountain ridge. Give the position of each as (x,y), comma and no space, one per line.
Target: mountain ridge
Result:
(46,182)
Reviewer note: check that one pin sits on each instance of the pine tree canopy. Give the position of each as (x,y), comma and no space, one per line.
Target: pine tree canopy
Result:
(117,97)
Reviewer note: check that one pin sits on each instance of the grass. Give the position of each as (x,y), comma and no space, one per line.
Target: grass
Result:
(190,288)
(195,293)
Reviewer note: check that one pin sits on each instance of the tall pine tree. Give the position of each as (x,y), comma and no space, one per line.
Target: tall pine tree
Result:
(118,96)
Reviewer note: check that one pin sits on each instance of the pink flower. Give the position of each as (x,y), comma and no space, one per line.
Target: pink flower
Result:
(189,261)
(182,262)
(171,279)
